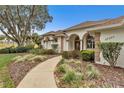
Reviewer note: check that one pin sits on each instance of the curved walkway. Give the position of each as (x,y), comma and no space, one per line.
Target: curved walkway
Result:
(42,76)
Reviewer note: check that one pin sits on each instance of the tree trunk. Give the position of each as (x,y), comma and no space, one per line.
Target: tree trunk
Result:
(21,44)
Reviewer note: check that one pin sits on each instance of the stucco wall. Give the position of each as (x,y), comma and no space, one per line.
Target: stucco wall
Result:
(69,45)
(79,32)
(116,35)
(59,44)
(113,36)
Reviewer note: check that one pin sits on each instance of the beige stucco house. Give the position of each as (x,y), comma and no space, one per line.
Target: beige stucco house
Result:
(86,36)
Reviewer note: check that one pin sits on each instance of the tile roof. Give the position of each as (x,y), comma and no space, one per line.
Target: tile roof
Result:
(96,23)
(87,24)
(56,33)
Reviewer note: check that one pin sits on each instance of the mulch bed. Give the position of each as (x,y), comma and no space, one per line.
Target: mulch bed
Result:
(109,77)
(113,76)
(18,70)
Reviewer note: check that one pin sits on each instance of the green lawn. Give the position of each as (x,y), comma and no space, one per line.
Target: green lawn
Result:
(5,80)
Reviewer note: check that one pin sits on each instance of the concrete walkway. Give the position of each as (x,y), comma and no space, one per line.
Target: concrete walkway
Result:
(42,76)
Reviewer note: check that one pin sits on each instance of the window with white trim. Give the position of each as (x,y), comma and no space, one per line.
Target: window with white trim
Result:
(90,42)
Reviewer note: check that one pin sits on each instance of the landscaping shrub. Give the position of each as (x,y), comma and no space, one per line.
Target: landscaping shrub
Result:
(62,68)
(30,46)
(29,58)
(21,49)
(65,54)
(106,85)
(12,50)
(75,54)
(37,58)
(77,82)
(50,52)
(79,76)
(61,62)
(87,55)
(70,76)
(33,51)
(111,51)
(4,50)
(15,50)
(92,72)
(39,51)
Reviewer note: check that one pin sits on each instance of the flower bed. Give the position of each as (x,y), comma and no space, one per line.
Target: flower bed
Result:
(87,75)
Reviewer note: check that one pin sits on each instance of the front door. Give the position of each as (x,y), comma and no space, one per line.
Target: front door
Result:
(77,45)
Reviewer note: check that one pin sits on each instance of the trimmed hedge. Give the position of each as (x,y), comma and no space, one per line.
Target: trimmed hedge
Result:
(71,54)
(4,50)
(50,51)
(65,54)
(87,55)
(39,51)
(15,50)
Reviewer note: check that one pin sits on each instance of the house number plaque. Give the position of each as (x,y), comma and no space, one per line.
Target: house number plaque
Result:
(109,38)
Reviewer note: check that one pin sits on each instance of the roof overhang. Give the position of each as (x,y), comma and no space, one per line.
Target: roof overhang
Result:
(99,29)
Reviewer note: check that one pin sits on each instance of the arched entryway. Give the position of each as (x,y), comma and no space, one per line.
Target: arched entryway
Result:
(88,42)
(74,42)
(77,43)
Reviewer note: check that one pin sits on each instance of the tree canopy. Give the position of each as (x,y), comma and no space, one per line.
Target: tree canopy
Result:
(16,21)
(36,39)
(2,37)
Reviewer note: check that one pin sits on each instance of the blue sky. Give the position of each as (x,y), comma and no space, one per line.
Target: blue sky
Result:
(67,16)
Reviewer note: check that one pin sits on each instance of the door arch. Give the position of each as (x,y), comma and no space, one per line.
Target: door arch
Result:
(74,42)
(77,43)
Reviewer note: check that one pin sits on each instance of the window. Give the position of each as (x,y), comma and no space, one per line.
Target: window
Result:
(90,42)
(55,39)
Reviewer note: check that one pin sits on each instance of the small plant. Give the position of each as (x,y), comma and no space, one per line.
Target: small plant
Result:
(87,55)
(37,58)
(75,54)
(62,61)
(70,76)
(62,68)
(23,58)
(65,54)
(106,85)
(111,51)
(91,72)
(37,51)
(79,76)
(50,52)
(16,58)
(88,84)
(30,46)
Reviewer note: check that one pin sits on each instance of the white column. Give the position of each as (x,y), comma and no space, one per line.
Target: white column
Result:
(67,43)
(81,48)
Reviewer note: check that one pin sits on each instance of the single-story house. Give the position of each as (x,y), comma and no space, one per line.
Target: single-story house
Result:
(86,36)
